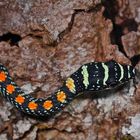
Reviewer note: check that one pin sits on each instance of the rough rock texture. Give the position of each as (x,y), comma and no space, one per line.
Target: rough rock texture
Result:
(42,42)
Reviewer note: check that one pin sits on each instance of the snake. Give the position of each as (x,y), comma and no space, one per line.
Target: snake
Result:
(93,76)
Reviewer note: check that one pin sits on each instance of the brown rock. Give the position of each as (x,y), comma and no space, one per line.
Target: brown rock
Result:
(57,37)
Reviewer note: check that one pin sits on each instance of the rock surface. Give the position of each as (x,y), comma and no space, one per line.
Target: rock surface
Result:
(43,42)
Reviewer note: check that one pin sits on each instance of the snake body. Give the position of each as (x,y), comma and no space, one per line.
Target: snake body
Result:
(91,76)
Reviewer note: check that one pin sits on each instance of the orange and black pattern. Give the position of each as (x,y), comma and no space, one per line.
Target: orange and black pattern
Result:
(92,76)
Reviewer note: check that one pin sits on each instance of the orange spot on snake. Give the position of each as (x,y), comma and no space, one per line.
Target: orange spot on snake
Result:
(20,99)
(2,76)
(10,88)
(61,96)
(70,84)
(48,104)
(32,105)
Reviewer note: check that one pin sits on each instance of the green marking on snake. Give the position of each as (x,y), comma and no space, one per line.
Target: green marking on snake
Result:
(122,72)
(85,76)
(128,71)
(106,73)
